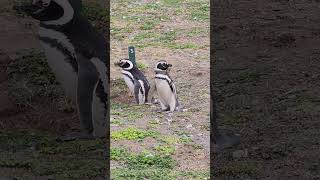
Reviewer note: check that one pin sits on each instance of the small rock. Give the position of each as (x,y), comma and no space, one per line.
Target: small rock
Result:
(189,126)
(240,154)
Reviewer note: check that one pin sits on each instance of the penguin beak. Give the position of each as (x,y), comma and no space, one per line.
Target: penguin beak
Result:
(117,63)
(169,65)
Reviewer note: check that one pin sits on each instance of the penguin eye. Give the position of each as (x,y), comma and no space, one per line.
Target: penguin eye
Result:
(46,3)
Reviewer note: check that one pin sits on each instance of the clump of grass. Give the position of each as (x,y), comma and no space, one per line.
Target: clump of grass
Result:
(148,25)
(14,163)
(119,154)
(201,13)
(170,140)
(31,79)
(132,133)
(149,160)
(142,66)
(94,12)
(118,87)
(140,174)
(165,149)
(172,2)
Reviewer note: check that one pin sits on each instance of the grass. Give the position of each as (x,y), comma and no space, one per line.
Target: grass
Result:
(136,164)
(127,21)
(41,154)
(156,174)
(30,78)
(165,149)
(124,112)
(132,133)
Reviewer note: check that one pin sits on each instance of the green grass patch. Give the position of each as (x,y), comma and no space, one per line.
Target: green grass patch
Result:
(95,12)
(71,168)
(132,133)
(172,2)
(156,174)
(170,140)
(43,155)
(14,163)
(197,31)
(201,13)
(165,149)
(119,154)
(149,160)
(142,66)
(31,79)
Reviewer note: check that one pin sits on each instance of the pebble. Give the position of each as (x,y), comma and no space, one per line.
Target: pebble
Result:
(189,126)
(240,154)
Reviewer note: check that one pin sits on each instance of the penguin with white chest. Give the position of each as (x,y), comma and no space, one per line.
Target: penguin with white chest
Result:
(78,56)
(165,87)
(135,80)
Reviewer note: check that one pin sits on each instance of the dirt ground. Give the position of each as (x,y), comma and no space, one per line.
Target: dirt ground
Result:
(267,84)
(190,73)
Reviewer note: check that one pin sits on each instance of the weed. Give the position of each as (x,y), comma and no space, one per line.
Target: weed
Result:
(142,66)
(31,78)
(149,160)
(119,154)
(201,13)
(132,133)
(13,163)
(95,11)
(165,149)
(170,140)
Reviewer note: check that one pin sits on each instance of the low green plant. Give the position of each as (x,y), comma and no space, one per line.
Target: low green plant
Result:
(132,133)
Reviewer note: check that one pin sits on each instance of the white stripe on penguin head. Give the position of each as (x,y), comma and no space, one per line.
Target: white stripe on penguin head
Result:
(160,62)
(130,63)
(68,13)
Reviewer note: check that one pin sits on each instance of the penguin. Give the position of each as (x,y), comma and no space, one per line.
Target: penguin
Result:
(78,56)
(165,87)
(136,81)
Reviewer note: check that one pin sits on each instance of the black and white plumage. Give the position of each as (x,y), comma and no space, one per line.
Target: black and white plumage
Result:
(165,87)
(135,80)
(78,56)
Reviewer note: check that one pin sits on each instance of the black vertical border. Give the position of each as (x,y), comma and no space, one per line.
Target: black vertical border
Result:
(106,4)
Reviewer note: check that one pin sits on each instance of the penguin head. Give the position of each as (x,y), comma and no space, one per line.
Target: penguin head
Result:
(125,64)
(162,66)
(51,12)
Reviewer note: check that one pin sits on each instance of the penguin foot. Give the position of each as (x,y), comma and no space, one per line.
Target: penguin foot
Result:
(155,101)
(76,136)
(163,110)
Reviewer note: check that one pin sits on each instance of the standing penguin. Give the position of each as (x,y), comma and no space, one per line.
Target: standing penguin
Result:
(135,80)
(78,56)
(165,87)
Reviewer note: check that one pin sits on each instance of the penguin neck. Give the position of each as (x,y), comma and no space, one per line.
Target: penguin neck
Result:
(57,27)
(161,72)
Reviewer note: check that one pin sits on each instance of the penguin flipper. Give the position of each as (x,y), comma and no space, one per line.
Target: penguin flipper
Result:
(151,92)
(100,103)
(87,82)
(99,111)
(136,91)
